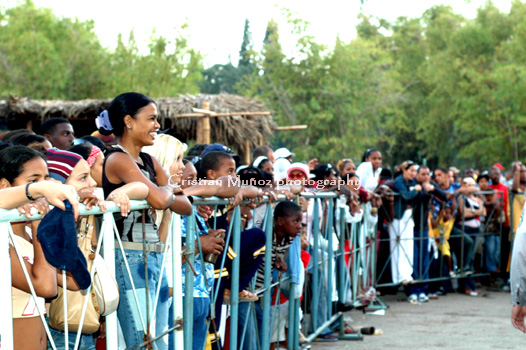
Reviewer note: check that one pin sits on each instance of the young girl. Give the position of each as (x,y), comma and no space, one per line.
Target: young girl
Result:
(24,167)
(132,118)
(71,169)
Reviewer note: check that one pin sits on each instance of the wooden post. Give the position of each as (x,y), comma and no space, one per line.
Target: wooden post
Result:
(203,126)
(247,153)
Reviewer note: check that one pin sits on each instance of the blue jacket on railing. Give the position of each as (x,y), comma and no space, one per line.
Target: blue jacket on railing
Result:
(294,264)
(406,195)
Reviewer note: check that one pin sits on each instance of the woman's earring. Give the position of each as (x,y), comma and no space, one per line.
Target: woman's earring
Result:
(129,127)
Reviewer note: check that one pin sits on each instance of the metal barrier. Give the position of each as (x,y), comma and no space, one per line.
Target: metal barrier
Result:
(464,246)
(327,271)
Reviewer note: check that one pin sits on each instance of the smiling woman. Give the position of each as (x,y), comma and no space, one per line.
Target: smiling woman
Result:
(132,117)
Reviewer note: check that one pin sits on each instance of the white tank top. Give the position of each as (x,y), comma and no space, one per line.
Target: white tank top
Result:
(23,303)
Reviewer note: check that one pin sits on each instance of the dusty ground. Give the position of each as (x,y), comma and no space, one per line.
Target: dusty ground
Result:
(454,321)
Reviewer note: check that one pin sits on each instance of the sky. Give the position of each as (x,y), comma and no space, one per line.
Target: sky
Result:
(215,28)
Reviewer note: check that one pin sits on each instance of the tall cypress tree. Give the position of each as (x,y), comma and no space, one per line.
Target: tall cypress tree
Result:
(245,54)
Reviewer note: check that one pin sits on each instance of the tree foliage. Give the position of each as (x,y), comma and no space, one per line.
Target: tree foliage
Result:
(226,77)
(439,87)
(46,57)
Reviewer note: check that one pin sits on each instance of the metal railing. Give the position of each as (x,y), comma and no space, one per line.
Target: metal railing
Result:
(327,271)
(464,246)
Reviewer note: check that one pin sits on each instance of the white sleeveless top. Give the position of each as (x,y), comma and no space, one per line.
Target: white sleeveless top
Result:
(23,303)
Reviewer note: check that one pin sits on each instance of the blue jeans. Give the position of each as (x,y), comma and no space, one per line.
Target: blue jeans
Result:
(199,330)
(420,270)
(491,252)
(86,340)
(322,309)
(128,313)
(248,320)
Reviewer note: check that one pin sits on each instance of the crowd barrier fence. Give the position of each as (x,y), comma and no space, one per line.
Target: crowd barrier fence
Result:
(343,265)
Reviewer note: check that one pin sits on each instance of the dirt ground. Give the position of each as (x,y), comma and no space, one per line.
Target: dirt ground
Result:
(454,321)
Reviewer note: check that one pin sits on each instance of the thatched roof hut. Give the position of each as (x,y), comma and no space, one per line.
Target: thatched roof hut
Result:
(239,129)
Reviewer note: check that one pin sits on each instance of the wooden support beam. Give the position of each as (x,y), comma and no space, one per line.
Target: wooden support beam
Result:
(246,153)
(203,126)
(213,115)
(291,127)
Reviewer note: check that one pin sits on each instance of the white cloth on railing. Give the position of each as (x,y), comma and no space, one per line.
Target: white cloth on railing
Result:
(402,246)
(176,239)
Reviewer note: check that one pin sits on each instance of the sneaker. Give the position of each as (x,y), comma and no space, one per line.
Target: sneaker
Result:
(422,298)
(432,296)
(325,338)
(413,299)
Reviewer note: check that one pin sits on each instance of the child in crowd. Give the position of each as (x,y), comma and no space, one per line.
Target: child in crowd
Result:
(22,166)
(71,169)
(213,166)
(441,230)
(287,226)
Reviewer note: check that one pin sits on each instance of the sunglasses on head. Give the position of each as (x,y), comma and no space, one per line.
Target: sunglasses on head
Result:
(296,176)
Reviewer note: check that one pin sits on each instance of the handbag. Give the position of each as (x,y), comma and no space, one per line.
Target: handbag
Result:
(106,288)
(76,299)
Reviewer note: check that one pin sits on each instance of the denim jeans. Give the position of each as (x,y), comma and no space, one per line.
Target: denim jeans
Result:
(86,340)
(491,252)
(247,319)
(199,330)
(128,313)
(420,253)
(322,309)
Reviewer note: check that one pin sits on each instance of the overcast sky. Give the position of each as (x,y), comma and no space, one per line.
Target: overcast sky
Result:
(215,28)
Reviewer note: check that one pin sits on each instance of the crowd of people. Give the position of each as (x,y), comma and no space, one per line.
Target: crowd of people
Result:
(425,223)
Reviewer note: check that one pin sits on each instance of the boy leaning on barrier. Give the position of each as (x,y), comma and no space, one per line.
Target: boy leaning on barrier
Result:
(287,226)
(214,165)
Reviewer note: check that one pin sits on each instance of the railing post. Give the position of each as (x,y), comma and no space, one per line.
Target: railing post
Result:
(177,292)
(108,247)
(6,318)
(330,263)
(234,310)
(188,319)
(315,232)
(269,232)
(292,339)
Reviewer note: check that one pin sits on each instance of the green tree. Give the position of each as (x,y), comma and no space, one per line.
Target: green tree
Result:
(43,56)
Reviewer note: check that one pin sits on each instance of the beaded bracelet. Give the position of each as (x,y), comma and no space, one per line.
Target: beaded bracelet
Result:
(30,197)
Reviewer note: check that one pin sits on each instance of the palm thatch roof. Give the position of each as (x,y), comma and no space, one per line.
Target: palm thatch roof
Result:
(239,130)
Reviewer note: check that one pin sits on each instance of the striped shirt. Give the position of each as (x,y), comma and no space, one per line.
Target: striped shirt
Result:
(278,251)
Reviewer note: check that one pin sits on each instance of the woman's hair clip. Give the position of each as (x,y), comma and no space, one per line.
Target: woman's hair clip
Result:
(103,121)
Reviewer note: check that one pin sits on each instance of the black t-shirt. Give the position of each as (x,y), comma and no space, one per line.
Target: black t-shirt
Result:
(130,227)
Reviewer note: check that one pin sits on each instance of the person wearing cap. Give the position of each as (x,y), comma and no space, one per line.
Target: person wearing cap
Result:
(23,182)
(454,177)
(283,160)
(217,147)
(71,169)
